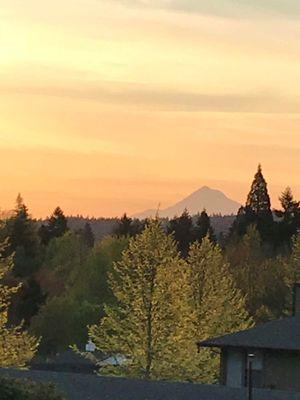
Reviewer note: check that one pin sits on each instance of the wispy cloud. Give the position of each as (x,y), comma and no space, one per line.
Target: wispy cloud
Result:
(261,101)
(227,8)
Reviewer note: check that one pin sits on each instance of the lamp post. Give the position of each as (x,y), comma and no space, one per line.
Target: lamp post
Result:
(250,359)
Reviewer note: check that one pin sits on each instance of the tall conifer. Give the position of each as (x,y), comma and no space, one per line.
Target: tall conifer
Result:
(258,199)
(57,226)
(203,227)
(289,218)
(183,231)
(257,211)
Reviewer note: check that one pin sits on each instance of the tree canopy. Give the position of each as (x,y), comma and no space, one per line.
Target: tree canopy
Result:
(17,347)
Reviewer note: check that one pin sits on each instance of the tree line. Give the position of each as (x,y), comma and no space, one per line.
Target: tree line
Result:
(152,288)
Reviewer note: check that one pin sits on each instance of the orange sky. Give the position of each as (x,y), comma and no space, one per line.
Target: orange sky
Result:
(113,106)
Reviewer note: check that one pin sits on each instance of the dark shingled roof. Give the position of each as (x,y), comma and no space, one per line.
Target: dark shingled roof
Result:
(282,334)
(92,387)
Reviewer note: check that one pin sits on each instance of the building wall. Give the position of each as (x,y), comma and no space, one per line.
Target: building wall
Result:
(282,370)
(232,368)
(271,369)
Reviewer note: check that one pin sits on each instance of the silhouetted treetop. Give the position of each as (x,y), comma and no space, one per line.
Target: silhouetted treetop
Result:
(57,225)
(258,199)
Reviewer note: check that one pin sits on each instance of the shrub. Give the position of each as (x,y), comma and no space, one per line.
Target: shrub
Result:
(23,389)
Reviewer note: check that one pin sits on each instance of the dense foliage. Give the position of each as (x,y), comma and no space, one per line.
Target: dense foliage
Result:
(144,322)
(17,347)
(151,289)
(164,304)
(20,389)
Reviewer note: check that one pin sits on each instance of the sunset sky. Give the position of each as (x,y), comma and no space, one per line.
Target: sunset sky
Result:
(113,106)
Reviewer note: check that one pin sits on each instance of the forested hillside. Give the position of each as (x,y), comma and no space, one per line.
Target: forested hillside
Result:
(102,227)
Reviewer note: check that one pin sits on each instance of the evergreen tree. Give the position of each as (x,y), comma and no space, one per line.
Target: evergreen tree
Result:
(44,235)
(203,227)
(23,240)
(217,307)
(258,199)
(183,231)
(87,235)
(56,226)
(20,230)
(291,208)
(17,347)
(124,227)
(289,218)
(143,325)
(138,226)
(128,227)
(245,218)
(257,211)
(29,300)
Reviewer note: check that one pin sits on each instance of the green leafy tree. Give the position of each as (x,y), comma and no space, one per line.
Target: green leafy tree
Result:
(274,290)
(261,278)
(249,257)
(292,271)
(29,300)
(63,263)
(246,258)
(143,325)
(17,347)
(62,322)
(76,279)
(24,389)
(217,307)
(92,284)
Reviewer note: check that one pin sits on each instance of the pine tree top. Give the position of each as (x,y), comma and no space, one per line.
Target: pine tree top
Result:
(258,198)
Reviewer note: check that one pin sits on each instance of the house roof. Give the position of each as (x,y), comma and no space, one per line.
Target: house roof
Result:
(283,334)
(93,387)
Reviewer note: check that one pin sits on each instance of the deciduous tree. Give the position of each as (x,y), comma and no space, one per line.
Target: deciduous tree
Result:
(217,307)
(143,325)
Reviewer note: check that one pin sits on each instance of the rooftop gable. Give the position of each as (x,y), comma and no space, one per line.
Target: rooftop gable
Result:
(283,334)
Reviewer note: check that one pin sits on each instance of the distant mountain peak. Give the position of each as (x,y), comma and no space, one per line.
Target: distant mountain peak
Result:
(212,200)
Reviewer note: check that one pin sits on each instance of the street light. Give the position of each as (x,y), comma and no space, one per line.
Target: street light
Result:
(250,359)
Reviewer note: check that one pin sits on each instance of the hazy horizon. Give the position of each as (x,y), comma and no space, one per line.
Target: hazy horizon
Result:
(114,106)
